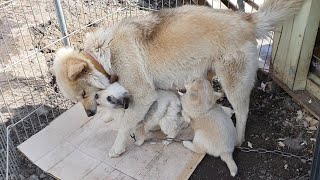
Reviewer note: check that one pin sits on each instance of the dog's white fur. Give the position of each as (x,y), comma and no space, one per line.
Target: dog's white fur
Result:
(165,113)
(172,47)
(214,131)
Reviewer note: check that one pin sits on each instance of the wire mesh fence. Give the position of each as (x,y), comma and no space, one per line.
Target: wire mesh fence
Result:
(30,34)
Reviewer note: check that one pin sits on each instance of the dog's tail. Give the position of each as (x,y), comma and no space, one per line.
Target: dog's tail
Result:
(227,157)
(274,12)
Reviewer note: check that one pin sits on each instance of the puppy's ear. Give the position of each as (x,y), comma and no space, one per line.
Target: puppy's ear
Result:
(76,68)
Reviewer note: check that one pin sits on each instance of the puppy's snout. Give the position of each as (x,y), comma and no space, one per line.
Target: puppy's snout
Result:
(96,96)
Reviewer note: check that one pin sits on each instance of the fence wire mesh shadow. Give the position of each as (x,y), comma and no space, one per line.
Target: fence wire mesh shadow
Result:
(30,34)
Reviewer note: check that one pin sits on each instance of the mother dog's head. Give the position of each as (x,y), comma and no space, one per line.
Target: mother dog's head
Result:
(78,78)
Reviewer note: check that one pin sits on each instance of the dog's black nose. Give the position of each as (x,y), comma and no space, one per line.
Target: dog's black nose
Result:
(96,96)
(91,112)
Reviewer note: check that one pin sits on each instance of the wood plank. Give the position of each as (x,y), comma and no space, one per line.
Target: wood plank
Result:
(247,6)
(276,39)
(279,66)
(314,78)
(85,151)
(216,4)
(230,5)
(307,45)
(297,36)
(313,85)
(253,4)
(302,97)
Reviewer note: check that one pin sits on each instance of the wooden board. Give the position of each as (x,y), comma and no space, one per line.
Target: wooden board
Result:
(308,45)
(280,63)
(304,98)
(216,4)
(293,48)
(313,85)
(74,147)
(295,45)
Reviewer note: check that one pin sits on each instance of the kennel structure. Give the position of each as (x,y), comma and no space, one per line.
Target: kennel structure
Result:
(295,56)
(30,33)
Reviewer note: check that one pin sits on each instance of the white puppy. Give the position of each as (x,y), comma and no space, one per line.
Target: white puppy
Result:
(112,98)
(215,133)
(165,112)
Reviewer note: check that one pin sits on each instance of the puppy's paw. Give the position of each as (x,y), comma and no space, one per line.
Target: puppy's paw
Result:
(187,144)
(116,152)
(139,142)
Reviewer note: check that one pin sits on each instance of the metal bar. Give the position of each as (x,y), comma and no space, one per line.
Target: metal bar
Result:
(62,22)
(7,154)
(315,171)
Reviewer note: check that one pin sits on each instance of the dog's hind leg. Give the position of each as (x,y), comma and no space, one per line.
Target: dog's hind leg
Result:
(240,103)
(237,76)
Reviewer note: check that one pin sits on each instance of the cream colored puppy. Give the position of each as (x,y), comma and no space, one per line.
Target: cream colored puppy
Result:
(215,133)
(165,112)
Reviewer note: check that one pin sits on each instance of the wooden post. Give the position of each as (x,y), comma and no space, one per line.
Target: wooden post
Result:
(308,42)
(292,50)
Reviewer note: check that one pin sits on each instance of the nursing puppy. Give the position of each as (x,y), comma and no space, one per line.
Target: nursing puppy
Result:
(111,98)
(167,50)
(164,113)
(214,131)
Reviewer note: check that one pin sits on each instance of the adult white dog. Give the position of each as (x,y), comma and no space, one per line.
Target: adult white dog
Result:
(169,49)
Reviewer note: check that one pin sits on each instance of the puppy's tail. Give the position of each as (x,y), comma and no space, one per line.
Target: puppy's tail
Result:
(228,159)
(274,12)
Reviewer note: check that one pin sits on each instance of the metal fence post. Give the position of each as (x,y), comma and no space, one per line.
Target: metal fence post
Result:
(62,22)
(315,172)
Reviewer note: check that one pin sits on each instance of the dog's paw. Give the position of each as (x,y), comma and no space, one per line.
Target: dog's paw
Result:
(115,152)
(139,142)
(240,141)
(166,142)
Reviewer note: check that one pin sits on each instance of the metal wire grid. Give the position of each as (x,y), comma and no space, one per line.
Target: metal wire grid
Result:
(29,36)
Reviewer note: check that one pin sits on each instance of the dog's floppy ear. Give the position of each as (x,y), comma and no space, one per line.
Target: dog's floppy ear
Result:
(76,68)
(100,82)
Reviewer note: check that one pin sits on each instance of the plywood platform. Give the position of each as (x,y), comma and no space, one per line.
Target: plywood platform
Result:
(76,147)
